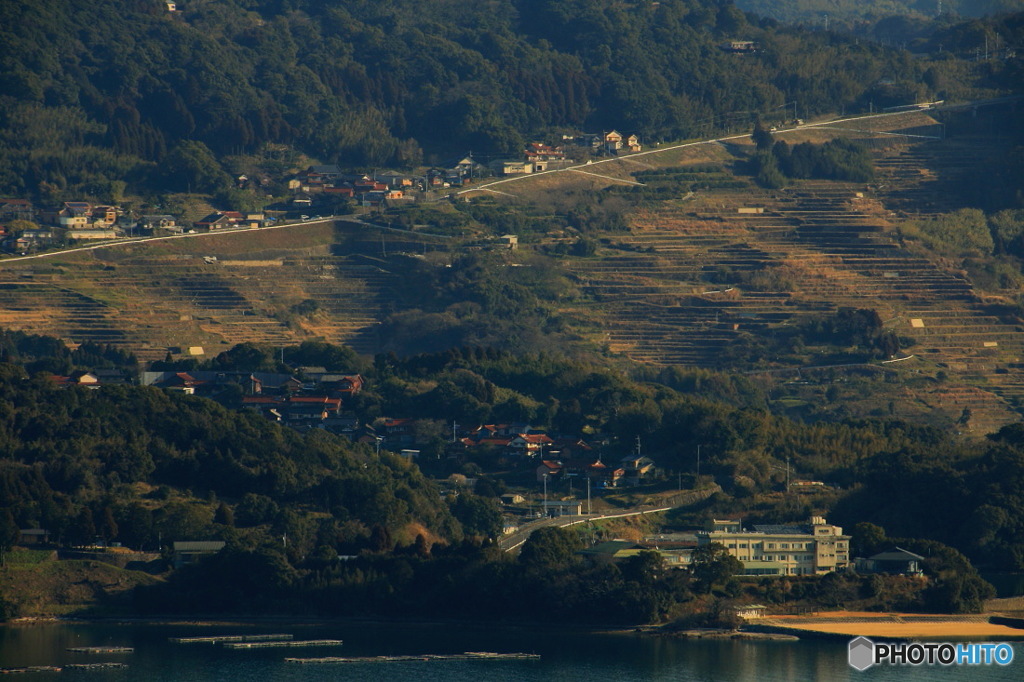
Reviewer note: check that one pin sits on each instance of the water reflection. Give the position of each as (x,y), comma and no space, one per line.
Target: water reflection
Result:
(566,655)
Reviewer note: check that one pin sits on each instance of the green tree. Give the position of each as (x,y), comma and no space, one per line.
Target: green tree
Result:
(711,565)
(550,549)
(191,167)
(9,534)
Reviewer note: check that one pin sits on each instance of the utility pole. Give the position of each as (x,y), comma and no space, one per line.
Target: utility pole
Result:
(544,509)
(696,481)
(588,494)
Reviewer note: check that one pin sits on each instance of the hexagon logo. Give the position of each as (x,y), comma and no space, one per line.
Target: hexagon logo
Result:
(862,653)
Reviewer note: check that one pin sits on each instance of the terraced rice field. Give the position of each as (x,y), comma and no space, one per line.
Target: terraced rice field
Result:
(147,299)
(690,279)
(685,284)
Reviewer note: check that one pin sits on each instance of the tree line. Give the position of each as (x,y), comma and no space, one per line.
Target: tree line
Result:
(187,96)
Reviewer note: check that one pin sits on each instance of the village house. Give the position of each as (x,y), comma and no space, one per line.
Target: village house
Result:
(613,551)
(398,431)
(79,378)
(104,216)
(611,142)
(75,215)
(159,222)
(396,180)
(529,444)
(549,469)
(468,168)
(896,561)
(17,209)
(214,221)
(221,219)
(29,240)
(637,467)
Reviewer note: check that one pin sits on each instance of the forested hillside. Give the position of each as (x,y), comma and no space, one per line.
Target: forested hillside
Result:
(840,12)
(119,96)
(135,465)
(143,468)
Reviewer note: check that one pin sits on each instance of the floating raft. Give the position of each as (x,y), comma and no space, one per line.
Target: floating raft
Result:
(101,649)
(228,638)
(297,642)
(94,666)
(467,656)
(57,669)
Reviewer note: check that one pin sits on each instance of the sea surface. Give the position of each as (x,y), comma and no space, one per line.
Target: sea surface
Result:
(566,655)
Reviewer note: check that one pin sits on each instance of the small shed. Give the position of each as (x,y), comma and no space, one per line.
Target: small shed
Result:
(750,611)
(194,551)
(33,536)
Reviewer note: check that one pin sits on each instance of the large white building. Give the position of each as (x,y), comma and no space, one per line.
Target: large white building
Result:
(814,548)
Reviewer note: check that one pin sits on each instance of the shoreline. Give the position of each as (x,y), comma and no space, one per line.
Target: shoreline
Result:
(895,626)
(206,621)
(837,625)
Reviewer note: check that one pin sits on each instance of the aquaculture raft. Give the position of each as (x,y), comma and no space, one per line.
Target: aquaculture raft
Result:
(267,645)
(57,669)
(94,666)
(101,649)
(467,656)
(228,638)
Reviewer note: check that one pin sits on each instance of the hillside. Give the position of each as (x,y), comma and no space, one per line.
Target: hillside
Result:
(842,12)
(190,98)
(719,277)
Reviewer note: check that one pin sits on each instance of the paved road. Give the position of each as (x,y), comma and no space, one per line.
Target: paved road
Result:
(515,540)
(487,187)
(589,166)
(187,235)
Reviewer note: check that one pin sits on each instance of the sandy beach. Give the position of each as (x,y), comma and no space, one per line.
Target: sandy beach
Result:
(897,625)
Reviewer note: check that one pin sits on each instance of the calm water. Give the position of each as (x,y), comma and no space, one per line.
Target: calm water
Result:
(566,655)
